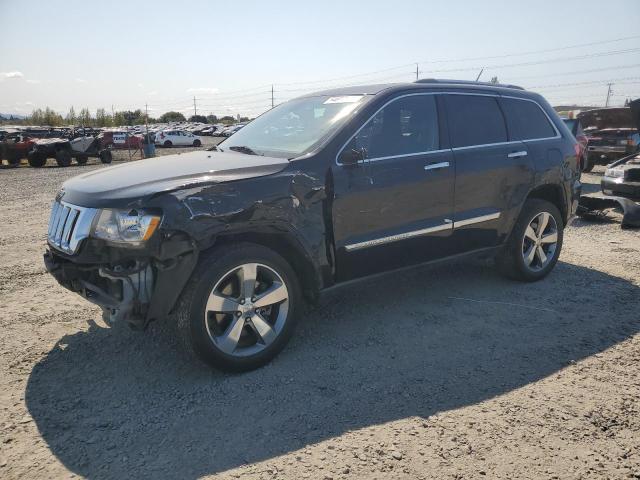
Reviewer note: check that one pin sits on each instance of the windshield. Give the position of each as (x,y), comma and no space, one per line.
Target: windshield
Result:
(294,127)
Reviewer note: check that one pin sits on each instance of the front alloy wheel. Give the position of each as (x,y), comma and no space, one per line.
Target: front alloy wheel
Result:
(247,309)
(238,309)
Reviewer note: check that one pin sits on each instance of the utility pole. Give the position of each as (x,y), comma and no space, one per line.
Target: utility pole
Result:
(195,110)
(113,116)
(417,73)
(272,103)
(609,92)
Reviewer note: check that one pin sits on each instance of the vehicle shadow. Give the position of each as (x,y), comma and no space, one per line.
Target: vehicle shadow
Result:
(118,404)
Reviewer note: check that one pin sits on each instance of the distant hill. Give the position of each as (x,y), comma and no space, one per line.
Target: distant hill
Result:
(11,116)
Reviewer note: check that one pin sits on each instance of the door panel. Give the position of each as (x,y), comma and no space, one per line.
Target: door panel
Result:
(392,213)
(487,182)
(491,170)
(394,208)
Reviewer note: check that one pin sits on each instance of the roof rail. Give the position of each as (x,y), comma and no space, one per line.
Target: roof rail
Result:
(467,82)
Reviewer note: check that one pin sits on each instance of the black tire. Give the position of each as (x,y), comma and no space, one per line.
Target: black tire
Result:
(197,143)
(588,163)
(13,159)
(167,143)
(63,158)
(36,159)
(510,261)
(82,159)
(189,315)
(106,157)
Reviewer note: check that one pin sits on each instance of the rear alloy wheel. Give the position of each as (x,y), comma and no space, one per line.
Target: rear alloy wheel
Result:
(238,310)
(197,143)
(540,241)
(63,158)
(535,242)
(167,143)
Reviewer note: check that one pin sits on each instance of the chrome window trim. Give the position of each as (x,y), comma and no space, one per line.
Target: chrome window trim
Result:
(371,117)
(453,149)
(456,149)
(473,220)
(395,238)
(377,159)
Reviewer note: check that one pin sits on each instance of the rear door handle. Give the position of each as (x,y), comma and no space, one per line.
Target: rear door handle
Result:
(436,166)
(521,153)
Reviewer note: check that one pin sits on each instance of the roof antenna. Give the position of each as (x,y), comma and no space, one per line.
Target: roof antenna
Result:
(478,77)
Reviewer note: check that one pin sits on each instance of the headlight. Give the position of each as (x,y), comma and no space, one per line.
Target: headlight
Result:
(132,227)
(614,172)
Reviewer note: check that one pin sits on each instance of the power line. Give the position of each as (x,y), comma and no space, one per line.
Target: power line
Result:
(539,62)
(533,52)
(593,70)
(594,82)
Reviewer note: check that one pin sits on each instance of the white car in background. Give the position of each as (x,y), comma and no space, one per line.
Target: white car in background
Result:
(175,138)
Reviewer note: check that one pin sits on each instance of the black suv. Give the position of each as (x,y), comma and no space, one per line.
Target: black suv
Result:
(320,190)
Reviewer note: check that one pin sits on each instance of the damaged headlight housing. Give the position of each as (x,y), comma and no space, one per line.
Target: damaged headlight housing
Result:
(614,172)
(128,227)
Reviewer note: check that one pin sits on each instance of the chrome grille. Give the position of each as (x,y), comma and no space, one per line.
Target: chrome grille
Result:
(69,225)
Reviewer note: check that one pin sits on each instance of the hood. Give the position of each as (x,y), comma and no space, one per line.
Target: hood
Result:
(121,184)
(613,118)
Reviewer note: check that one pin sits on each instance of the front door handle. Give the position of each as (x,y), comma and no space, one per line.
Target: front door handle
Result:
(521,153)
(436,166)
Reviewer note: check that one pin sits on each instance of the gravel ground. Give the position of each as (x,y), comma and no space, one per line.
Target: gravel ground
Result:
(442,372)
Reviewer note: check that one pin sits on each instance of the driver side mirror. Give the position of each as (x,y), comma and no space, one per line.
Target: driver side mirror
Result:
(351,156)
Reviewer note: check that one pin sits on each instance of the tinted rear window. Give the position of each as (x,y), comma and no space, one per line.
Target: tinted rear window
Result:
(475,120)
(528,120)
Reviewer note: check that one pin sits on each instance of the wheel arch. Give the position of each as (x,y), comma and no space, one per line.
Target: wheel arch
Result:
(553,194)
(289,248)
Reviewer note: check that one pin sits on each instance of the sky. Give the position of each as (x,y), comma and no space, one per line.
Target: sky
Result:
(228,54)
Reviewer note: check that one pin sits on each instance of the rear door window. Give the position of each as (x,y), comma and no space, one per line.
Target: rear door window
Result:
(475,120)
(406,126)
(527,119)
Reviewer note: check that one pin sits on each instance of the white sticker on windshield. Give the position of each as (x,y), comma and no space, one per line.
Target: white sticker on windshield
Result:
(344,99)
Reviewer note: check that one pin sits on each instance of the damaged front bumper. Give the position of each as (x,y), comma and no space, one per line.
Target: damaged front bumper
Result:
(132,286)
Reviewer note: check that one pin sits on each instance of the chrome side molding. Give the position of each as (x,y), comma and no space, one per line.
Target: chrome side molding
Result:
(395,238)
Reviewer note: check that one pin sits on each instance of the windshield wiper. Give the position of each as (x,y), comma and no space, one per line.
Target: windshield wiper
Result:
(243,149)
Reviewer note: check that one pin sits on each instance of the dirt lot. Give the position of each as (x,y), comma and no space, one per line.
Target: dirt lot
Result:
(444,372)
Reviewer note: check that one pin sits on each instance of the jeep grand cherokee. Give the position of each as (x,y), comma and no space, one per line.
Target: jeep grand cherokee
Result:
(320,190)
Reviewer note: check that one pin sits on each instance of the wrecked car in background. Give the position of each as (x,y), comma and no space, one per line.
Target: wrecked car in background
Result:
(14,146)
(612,133)
(620,185)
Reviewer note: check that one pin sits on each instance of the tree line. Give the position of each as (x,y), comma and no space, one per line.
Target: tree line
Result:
(49,117)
